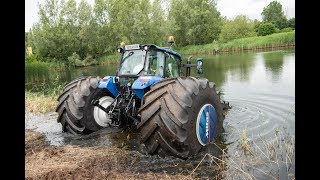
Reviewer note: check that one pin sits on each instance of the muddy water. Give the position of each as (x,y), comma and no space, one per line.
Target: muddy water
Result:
(261,90)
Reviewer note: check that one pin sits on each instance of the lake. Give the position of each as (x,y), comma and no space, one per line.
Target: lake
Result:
(260,87)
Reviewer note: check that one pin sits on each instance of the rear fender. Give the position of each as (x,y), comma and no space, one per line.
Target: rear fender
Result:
(108,83)
(139,85)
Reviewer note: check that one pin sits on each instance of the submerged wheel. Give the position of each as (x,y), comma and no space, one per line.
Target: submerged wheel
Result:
(180,115)
(75,111)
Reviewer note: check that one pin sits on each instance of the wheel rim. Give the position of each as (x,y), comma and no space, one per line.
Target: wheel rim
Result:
(206,124)
(102,118)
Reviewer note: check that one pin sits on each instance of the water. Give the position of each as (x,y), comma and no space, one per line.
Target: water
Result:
(261,90)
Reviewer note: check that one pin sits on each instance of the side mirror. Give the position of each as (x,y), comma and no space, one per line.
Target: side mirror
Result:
(199,66)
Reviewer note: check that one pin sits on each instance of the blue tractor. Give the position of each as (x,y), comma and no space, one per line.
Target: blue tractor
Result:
(176,114)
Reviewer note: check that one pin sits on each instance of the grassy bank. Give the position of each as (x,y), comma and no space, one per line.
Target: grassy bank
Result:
(256,43)
(38,71)
(39,102)
(273,41)
(43,101)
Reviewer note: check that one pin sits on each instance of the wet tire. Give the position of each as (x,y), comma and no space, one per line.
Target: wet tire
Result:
(75,111)
(169,115)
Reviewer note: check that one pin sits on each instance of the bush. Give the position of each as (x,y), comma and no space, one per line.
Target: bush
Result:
(266,29)
(240,27)
(33,58)
(288,29)
(89,60)
(75,60)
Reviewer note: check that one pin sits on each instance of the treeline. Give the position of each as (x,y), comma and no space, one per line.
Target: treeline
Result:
(73,33)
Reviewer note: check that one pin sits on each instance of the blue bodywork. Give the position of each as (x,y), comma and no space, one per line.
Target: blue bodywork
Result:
(168,51)
(143,82)
(138,85)
(108,83)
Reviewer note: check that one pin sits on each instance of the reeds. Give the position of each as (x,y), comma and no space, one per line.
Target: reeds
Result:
(272,158)
(256,43)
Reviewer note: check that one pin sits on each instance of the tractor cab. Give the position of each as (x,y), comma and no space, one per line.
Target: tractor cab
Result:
(148,60)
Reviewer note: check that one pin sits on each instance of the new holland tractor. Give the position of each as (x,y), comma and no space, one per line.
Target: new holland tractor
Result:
(176,114)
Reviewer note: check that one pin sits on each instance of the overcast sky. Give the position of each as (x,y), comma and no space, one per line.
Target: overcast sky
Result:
(228,8)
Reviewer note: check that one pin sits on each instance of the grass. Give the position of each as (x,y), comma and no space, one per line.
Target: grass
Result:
(38,71)
(44,99)
(250,43)
(38,102)
(244,142)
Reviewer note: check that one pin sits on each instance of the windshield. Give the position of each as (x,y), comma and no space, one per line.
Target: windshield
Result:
(133,62)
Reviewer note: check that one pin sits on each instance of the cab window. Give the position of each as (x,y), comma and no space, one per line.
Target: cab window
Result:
(172,66)
(155,63)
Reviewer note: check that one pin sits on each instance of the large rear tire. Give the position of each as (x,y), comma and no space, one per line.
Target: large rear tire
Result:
(75,112)
(171,116)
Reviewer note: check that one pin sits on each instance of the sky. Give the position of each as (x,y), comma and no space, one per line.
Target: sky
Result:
(228,8)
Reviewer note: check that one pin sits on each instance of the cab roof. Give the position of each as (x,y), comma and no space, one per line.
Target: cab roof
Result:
(141,46)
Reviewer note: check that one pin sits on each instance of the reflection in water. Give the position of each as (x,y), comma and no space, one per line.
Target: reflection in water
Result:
(273,63)
(216,68)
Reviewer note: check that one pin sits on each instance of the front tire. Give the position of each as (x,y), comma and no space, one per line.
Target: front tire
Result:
(75,112)
(174,111)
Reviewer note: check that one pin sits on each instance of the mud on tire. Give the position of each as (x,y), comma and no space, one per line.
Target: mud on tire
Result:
(169,115)
(75,111)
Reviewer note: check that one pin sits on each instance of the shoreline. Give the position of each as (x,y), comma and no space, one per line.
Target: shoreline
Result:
(241,50)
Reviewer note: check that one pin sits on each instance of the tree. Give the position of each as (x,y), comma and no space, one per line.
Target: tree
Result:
(46,32)
(158,23)
(240,27)
(256,24)
(273,13)
(291,23)
(194,21)
(266,29)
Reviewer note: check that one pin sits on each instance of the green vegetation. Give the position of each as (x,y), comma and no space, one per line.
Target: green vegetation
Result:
(194,21)
(43,97)
(80,34)
(240,27)
(273,40)
(42,71)
(273,13)
(75,60)
(109,59)
(39,102)
(266,29)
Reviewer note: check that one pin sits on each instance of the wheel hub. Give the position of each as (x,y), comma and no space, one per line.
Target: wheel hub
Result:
(102,118)
(206,124)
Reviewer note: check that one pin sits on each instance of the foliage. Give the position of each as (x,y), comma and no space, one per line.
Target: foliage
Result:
(288,29)
(291,23)
(266,29)
(39,71)
(33,58)
(240,27)
(273,13)
(75,60)
(194,22)
(248,42)
(94,31)
(256,24)
(89,60)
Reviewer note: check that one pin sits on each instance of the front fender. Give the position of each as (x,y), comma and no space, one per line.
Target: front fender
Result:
(108,83)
